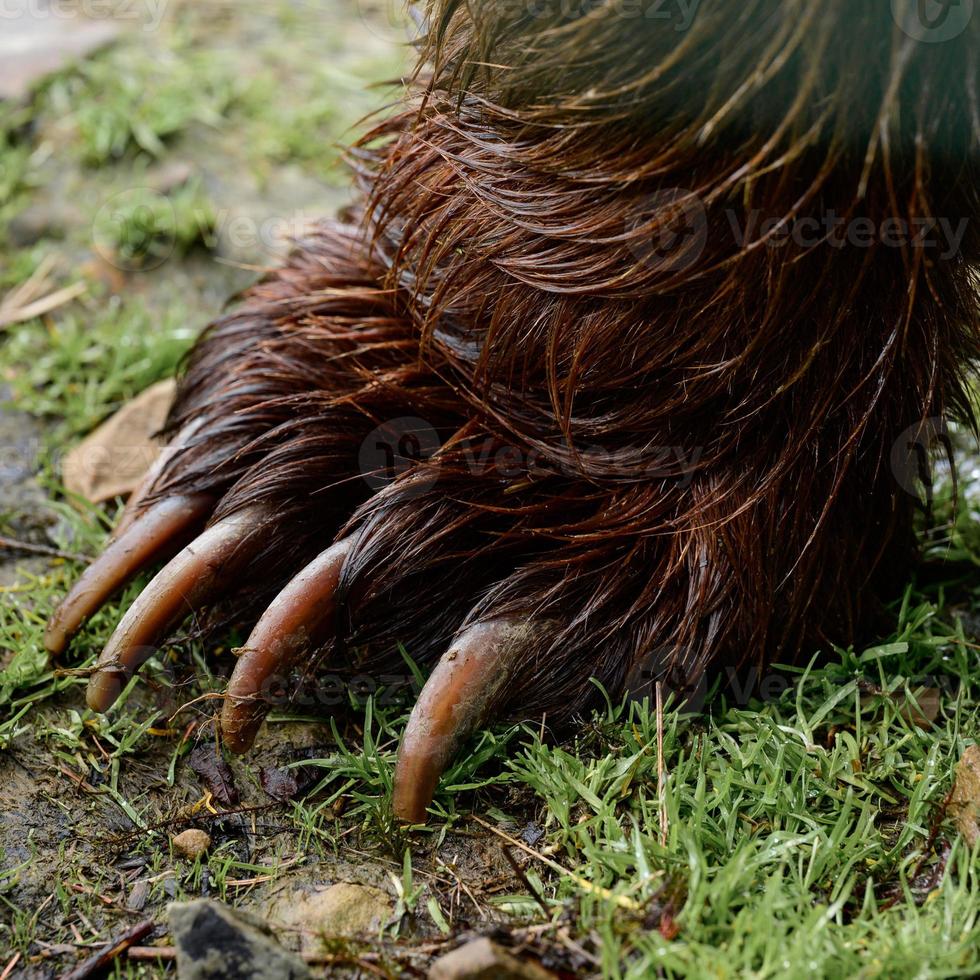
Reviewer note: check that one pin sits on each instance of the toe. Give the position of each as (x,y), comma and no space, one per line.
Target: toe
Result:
(298,621)
(467,685)
(201,573)
(157,534)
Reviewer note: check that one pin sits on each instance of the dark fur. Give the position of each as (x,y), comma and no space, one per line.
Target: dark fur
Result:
(500,285)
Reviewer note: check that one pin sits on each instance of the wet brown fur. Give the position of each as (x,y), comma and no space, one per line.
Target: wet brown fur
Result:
(497,281)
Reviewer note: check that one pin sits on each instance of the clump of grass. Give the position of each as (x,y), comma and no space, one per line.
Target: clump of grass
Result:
(17,178)
(18,267)
(131,99)
(800,829)
(141,228)
(82,368)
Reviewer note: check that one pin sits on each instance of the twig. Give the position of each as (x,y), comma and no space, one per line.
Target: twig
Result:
(152,952)
(621,900)
(462,885)
(82,890)
(9,968)
(661,774)
(39,307)
(32,287)
(94,964)
(523,878)
(361,962)
(12,544)
(566,940)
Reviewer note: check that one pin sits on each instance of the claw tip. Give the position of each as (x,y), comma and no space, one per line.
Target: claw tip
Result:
(103,689)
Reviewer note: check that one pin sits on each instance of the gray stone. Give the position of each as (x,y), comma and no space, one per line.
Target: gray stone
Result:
(37,39)
(483,959)
(216,943)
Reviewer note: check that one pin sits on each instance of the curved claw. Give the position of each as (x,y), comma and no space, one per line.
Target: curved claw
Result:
(297,621)
(197,576)
(456,700)
(160,532)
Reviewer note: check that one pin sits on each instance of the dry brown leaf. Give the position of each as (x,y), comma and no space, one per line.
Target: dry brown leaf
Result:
(47,304)
(920,707)
(964,801)
(924,709)
(111,461)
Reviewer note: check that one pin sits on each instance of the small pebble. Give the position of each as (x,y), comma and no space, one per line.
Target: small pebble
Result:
(483,959)
(191,843)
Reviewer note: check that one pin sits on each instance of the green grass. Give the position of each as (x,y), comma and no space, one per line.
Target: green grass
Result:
(134,100)
(139,229)
(88,364)
(308,130)
(807,835)
(800,830)
(16,176)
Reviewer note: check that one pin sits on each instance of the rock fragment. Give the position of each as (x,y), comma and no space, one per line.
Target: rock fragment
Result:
(344,910)
(191,843)
(216,943)
(483,959)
